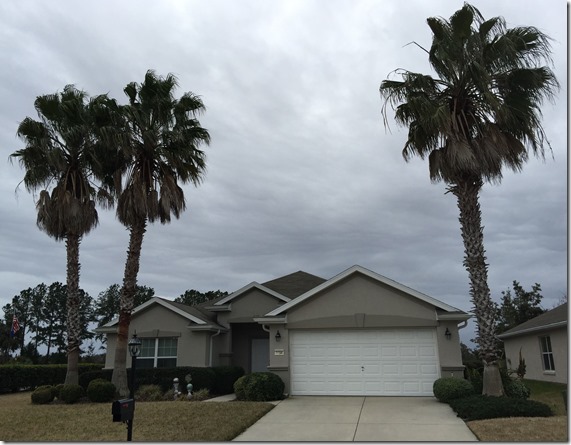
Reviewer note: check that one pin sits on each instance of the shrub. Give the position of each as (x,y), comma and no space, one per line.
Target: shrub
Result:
(476,379)
(200,395)
(149,393)
(101,391)
(259,387)
(224,379)
(486,407)
(86,378)
(71,393)
(168,396)
(517,390)
(43,394)
(57,390)
(240,386)
(449,388)
(17,376)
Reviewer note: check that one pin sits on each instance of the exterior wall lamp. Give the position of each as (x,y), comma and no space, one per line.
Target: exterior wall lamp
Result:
(448,334)
(278,336)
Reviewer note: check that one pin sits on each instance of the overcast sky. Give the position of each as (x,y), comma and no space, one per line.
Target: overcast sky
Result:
(302,174)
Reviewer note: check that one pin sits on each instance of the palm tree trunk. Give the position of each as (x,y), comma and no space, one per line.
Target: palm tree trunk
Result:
(73,315)
(470,219)
(119,378)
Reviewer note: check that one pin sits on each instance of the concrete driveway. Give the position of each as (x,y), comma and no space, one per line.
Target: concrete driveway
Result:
(359,419)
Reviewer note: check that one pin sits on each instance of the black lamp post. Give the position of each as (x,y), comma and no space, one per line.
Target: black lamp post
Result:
(135,351)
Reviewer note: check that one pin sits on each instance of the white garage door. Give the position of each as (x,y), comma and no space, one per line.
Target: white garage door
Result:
(385,362)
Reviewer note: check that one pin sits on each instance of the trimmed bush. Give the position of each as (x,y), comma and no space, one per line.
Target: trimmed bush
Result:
(17,377)
(517,390)
(486,407)
(240,385)
(43,395)
(224,379)
(450,388)
(150,393)
(57,390)
(259,387)
(87,377)
(101,391)
(71,393)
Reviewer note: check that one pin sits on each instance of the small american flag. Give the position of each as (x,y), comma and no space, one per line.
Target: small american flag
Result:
(15,326)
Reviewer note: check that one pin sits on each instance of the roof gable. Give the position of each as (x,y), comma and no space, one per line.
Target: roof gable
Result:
(373,275)
(294,284)
(554,318)
(248,287)
(185,311)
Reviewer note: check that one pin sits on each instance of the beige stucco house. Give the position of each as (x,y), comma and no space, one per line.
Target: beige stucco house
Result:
(544,346)
(358,333)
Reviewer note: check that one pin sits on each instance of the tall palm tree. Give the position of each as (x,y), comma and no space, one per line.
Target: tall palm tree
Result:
(480,114)
(161,144)
(61,152)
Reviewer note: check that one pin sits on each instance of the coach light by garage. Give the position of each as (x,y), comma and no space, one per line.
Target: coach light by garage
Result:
(448,334)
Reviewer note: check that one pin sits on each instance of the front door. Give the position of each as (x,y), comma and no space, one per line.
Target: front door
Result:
(260,354)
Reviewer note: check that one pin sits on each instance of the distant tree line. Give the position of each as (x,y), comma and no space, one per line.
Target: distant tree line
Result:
(42,317)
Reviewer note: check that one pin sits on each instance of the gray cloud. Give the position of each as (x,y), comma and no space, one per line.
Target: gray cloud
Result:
(302,174)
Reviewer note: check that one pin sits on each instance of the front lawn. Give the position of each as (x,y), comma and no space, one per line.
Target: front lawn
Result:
(529,429)
(154,421)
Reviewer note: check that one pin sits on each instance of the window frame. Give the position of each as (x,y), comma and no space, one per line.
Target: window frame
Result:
(155,357)
(547,359)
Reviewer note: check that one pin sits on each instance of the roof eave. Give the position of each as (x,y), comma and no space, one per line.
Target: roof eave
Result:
(459,317)
(544,327)
(209,327)
(271,320)
(423,297)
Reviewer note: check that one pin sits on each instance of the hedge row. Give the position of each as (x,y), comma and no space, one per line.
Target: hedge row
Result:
(17,377)
(459,394)
(478,407)
(218,380)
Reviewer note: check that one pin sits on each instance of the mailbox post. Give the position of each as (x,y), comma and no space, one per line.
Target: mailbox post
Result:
(134,350)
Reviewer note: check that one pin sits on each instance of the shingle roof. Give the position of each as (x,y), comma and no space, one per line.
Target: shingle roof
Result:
(553,318)
(294,284)
(192,310)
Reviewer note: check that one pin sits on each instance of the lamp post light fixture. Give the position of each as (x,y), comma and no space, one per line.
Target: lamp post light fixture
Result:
(278,336)
(134,350)
(448,334)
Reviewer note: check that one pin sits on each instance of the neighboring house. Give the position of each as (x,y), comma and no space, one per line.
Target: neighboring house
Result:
(543,343)
(358,333)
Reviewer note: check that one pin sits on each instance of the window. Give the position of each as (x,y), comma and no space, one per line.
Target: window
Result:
(158,353)
(547,354)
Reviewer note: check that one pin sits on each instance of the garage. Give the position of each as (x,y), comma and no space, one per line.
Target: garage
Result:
(382,362)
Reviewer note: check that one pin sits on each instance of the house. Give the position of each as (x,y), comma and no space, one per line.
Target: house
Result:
(358,333)
(543,344)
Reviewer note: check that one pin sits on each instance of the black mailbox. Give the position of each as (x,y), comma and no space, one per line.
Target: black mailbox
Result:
(122,410)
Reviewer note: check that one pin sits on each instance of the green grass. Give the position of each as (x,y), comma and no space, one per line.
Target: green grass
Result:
(154,421)
(529,429)
(548,393)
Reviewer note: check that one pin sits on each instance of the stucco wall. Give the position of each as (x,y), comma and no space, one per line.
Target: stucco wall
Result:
(157,321)
(531,352)
(361,302)
(253,303)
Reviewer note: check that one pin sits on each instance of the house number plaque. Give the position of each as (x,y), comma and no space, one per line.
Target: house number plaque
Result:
(278,352)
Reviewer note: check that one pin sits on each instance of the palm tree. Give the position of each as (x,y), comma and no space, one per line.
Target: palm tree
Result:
(161,143)
(61,152)
(480,114)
